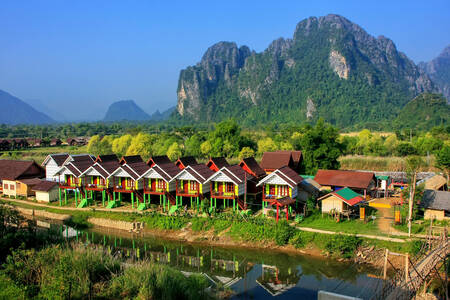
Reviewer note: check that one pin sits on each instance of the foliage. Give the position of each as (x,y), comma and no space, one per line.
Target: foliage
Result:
(343,245)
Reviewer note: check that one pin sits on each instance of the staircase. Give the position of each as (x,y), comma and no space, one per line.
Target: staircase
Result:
(241,204)
(140,198)
(170,197)
(113,204)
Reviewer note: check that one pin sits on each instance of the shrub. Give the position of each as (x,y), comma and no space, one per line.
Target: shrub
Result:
(283,233)
(343,244)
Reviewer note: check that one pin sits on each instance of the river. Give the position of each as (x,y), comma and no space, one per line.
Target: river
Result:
(249,273)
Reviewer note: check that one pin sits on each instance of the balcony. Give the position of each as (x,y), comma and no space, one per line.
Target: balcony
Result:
(222,195)
(154,191)
(187,193)
(95,187)
(124,188)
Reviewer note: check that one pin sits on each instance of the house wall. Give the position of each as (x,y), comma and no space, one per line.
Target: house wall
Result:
(332,203)
(50,196)
(434,214)
(23,189)
(50,169)
(9,188)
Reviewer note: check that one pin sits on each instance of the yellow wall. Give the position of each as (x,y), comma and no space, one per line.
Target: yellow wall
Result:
(332,203)
(434,214)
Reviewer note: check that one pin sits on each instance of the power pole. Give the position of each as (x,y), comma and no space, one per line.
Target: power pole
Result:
(412,191)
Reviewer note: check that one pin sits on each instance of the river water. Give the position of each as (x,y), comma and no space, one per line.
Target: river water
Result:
(249,273)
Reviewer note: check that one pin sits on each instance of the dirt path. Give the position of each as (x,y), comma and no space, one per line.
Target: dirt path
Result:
(386,217)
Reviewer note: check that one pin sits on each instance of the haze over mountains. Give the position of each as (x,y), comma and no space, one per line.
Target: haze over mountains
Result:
(439,71)
(331,68)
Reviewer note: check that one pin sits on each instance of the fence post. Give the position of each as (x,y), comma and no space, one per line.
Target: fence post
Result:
(385,263)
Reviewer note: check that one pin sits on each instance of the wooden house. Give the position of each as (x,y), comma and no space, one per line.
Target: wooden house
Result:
(253,169)
(229,183)
(24,187)
(436,205)
(126,179)
(13,170)
(95,181)
(52,163)
(183,162)
(341,201)
(360,182)
(77,141)
(216,163)
(46,191)
(158,160)
(436,182)
(157,182)
(191,183)
(272,161)
(55,142)
(4,145)
(280,188)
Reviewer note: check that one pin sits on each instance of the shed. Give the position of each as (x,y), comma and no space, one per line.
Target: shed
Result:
(12,170)
(436,182)
(340,201)
(46,191)
(436,204)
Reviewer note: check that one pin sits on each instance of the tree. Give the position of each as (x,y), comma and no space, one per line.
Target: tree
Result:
(321,148)
(121,144)
(205,148)
(174,151)
(443,160)
(246,152)
(266,145)
(94,145)
(140,145)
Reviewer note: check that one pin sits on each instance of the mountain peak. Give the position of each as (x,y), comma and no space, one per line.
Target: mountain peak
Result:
(125,110)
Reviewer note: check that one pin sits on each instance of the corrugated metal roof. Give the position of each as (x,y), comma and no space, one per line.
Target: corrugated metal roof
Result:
(439,200)
(352,179)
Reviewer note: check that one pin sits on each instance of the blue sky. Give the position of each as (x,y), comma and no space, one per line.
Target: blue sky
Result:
(77,57)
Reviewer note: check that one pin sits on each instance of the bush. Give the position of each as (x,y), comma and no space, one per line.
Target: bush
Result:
(343,244)
(283,233)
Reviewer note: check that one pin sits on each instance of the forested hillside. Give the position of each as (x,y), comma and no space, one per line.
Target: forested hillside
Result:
(331,68)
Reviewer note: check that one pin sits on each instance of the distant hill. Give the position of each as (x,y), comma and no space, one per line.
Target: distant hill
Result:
(52,111)
(331,68)
(125,110)
(424,112)
(161,116)
(15,111)
(439,71)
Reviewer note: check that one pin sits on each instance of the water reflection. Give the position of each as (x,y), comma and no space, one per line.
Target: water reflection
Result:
(250,273)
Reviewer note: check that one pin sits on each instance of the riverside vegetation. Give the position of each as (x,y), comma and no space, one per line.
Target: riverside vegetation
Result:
(40,265)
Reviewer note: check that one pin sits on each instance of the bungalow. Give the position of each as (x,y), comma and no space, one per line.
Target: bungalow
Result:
(183,162)
(52,163)
(55,142)
(192,183)
(230,182)
(252,168)
(436,205)
(158,160)
(126,179)
(272,161)
(96,180)
(72,174)
(280,188)
(4,145)
(24,187)
(46,191)
(157,181)
(77,141)
(341,201)
(13,170)
(360,182)
(216,163)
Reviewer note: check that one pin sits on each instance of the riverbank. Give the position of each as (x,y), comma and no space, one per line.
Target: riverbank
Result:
(230,231)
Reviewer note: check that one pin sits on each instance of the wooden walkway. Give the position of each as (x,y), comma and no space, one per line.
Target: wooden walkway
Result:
(416,275)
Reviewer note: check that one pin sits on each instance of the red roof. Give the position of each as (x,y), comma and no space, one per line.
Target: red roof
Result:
(352,179)
(216,163)
(158,160)
(276,160)
(183,162)
(250,165)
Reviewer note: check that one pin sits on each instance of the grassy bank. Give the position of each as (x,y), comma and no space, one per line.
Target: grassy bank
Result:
(256,231)
(39,154)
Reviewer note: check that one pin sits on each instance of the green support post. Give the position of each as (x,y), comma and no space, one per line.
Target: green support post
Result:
(114,196)
(198,204)
(160,200)
(76,195)
(164,203)
(103,198)
(115,242)
(132,200)
(234,204)
(191,202)
(60,203)
(215,203)
(65,197)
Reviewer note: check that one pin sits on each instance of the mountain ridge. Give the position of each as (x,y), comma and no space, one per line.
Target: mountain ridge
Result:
(331,68)
(439,71)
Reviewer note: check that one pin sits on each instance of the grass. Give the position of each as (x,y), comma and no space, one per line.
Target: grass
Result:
(379,163)
(316,221)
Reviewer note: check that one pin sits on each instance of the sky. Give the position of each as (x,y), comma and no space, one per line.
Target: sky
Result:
(77,57)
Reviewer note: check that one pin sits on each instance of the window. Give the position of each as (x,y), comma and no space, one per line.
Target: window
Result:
(230,188)
(193,185)
(11,187)
(283,190)
(161,184)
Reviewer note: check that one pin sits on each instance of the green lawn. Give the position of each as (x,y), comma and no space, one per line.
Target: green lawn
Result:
(328,223)
(39,154)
